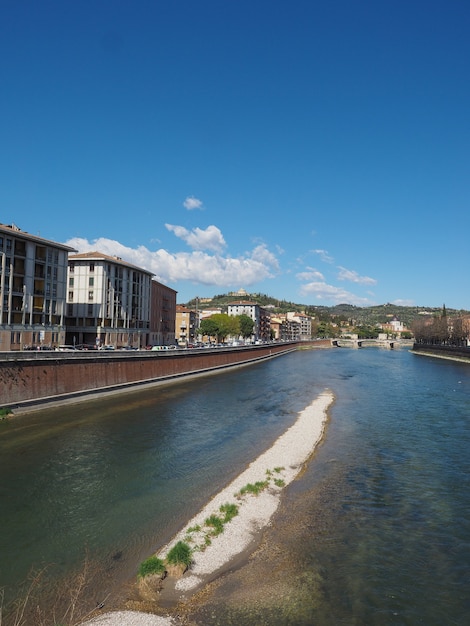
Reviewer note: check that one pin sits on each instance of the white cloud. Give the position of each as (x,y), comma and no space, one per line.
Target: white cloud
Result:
(262,255)
(323,254)
(323,291)
(310,274)
(192,203)
(197,266)
(209,239)
(354,277)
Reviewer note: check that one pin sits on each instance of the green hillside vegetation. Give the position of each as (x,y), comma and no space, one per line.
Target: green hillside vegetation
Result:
(338,314)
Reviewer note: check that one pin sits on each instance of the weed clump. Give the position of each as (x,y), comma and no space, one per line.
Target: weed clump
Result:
(230,511)
(152,565)
(216,523)
(254,488)
(5,412)
(180,554)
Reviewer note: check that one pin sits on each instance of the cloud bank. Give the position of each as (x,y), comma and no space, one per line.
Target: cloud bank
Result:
(203,265)
(207,263)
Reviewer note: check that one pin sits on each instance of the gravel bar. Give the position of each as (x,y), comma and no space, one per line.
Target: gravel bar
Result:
(278,466)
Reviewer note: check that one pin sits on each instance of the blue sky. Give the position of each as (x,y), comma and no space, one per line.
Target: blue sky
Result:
(318,152)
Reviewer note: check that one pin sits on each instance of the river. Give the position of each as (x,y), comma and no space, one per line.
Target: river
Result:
(385,532)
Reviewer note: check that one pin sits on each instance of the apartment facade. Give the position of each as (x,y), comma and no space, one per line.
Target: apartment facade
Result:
(304,325)
(33,283)
(261,318)
(108,302)
(187,324)
(162,315)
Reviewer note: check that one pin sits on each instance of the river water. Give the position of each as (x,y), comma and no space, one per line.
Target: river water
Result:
(384,506)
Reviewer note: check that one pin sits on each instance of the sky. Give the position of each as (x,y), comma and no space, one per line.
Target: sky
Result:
(317,152)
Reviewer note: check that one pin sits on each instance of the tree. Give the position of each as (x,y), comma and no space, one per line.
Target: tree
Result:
(208,327)
(246,325)
(226,325)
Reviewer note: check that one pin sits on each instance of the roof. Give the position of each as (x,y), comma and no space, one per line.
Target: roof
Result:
(12,229)
(100,256)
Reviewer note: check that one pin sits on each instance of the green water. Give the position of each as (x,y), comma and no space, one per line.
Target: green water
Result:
(376,532)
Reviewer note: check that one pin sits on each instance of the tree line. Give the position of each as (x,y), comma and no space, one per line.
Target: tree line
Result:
(443,330)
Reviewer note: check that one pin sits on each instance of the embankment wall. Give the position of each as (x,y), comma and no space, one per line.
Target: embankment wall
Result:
(32,378)
(443,352)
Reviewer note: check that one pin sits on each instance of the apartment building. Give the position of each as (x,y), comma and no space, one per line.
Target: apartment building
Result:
(304,325)
(187,324)
(108,302)
(261,318)
(162,315)
(33,283)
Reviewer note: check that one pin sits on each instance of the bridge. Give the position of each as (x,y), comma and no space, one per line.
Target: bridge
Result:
(389,344)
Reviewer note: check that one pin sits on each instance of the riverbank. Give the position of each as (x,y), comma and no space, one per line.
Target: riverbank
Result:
(215,555)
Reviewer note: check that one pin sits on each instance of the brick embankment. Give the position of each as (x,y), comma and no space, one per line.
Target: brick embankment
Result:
(30,379)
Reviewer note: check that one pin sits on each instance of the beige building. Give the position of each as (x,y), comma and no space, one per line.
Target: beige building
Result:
(304,325)
(186,327)
(108,302)
(33,284)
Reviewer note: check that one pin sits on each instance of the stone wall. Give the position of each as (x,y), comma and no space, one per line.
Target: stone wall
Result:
(446,352)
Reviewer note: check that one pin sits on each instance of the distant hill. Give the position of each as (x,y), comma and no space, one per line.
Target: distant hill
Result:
(372,315)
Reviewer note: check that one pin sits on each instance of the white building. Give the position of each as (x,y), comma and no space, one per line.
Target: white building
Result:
(261,320)
(33,282)
(304,325)
(108,302)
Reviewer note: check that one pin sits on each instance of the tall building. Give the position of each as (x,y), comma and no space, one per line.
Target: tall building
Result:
(33,284)
(108,302)
(162,315)
(260,317)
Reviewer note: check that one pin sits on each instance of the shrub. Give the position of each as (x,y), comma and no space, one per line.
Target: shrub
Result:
(152,565)
(180,554)
(279,482)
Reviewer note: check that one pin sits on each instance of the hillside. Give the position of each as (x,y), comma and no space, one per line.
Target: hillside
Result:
(378,314)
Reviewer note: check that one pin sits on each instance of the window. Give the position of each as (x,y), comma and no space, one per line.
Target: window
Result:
(90,295)
(70,296)
(92,267)
(72,267)
(91,281)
